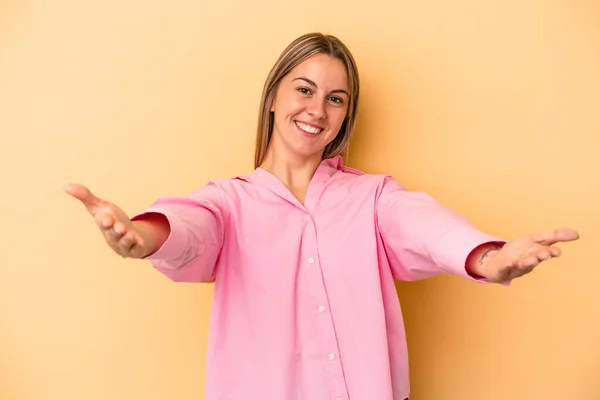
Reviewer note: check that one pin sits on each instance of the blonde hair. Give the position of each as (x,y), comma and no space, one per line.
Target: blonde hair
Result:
(294,54)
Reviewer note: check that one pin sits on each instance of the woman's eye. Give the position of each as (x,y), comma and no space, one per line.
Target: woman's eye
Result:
(334,99)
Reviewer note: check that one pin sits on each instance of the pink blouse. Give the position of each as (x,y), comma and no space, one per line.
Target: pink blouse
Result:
(305,306)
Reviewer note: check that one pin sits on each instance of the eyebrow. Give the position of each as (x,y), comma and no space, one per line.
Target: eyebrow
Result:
(315,85)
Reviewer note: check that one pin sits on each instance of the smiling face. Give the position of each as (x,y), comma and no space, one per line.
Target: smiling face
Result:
(310,106)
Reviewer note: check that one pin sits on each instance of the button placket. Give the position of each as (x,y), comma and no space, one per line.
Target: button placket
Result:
(326,330)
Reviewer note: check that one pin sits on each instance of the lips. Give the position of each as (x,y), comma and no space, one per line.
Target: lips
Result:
(311,129)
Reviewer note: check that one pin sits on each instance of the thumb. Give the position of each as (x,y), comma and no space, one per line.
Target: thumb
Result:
(557,235)
(84,195)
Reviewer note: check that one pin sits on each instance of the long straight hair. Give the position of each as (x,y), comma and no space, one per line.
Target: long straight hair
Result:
(294,54)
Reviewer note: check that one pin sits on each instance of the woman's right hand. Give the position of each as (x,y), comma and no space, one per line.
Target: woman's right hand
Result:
(116,227)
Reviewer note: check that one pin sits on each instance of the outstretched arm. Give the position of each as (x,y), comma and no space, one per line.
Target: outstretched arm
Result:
(129,239)
(181,236)
(501,263)
(423,238)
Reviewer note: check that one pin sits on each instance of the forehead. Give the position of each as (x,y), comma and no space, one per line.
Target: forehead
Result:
(329,73)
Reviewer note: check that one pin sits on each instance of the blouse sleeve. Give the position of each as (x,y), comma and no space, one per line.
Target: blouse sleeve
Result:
(421,237)
(197,224)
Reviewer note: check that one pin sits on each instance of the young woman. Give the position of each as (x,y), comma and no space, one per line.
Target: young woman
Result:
(304,251)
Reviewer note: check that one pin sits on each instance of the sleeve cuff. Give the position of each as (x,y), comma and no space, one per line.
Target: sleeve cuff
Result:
(455,247)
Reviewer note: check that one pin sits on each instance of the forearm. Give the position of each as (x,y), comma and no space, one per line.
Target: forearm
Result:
(184,237)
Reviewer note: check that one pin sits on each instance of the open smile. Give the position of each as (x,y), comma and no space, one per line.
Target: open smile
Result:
(310,129)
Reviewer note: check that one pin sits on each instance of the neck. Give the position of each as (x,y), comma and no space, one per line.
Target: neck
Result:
(293,170)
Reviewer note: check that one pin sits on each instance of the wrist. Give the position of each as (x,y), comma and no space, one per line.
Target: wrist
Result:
(154,230)
(478,259)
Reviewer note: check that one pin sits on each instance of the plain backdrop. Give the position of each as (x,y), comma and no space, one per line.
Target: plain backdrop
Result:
(490,106)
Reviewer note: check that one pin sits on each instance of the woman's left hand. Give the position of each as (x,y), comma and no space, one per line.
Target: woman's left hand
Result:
(520,256)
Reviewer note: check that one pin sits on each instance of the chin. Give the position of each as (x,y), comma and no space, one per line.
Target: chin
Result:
(307,146)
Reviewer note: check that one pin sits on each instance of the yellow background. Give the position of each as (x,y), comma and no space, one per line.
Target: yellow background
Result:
(490,106)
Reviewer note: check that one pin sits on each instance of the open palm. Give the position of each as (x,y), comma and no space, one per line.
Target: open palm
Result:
(520,256)
(116,227)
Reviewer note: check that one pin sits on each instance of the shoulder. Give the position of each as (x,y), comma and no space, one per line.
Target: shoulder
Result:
(238,187)
(221,187)
(384,188)
(378,180)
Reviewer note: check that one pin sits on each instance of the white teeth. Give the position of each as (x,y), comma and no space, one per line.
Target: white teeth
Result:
(307,128)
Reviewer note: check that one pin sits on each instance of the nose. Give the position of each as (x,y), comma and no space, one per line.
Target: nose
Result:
(316,108)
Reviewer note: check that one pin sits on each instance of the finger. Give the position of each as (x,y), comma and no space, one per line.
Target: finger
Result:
(527,262)
(524,268)
(543,254)
(557,235)
(114,232)
(119,228)
(131,245)
(105,219)
(84,195)
(525,271)
(126,243)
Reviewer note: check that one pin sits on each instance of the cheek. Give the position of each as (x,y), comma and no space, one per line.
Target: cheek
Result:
(287,104)
(337,117)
